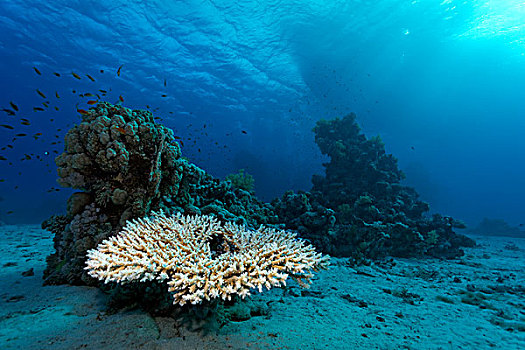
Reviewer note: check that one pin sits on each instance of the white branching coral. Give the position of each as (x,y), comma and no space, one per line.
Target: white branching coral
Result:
(203,259)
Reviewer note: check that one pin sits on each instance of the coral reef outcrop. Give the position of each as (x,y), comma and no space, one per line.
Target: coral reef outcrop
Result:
(125,166)
(359,208)
(202,259)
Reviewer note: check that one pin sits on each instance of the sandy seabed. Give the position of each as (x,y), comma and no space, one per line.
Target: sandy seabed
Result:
(474,302)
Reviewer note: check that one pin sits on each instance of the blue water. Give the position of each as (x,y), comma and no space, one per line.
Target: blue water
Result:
(441,82)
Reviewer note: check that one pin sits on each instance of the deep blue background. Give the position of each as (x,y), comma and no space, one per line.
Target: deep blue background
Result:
(444,78)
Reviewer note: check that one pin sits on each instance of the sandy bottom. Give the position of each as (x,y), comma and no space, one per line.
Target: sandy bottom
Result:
(475,302)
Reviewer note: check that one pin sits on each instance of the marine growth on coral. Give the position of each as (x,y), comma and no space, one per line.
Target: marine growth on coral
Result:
(203,259)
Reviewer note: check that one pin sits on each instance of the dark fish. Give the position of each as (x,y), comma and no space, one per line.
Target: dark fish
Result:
(103,91)
(82,111)
(412,147)
(56,108)
(37,71)
(37,109)
(24,122)
(76,75)
(26,157)
(88,94)
(57,74)
(41,93)
(20,135)
(118,70)
(176,137)
(243,131)
(74,91)
(90,77)
(56,94)
(121,98)
(45,104)
(164,82)
(3,158)
(10,211)
(164,95)
(92,102)
(8,111)
(10,146)
(6,126)
(101,71)
(15,107)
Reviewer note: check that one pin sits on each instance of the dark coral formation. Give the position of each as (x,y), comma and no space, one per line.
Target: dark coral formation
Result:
(496,227)
(126,165)
(359,208)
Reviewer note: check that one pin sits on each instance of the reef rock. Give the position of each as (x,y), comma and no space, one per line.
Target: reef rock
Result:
(359,208)
(127,165)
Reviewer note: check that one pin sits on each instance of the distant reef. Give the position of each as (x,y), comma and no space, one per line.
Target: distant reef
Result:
(496,227)
(125,165)
(359,208)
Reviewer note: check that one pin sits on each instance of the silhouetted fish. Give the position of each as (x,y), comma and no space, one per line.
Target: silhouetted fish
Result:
(37,71)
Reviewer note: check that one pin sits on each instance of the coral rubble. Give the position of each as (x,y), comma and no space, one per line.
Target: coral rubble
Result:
(127,165)
(359,208)
(201,258)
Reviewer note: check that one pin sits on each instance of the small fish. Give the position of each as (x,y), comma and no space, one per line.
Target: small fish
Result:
(3,158)
(121,130)
(164,95)
(57,74)
(88,94)
(164,82)
(15,107)
(37,71)
(76,75)
(6,126)
(92,102)
(20,135)
(121,98)
(26,157)
(10,211)
(8,111)
(101,71)
(56,108)
(10,146)
(56,94)
(82,111)
(25,122)
(2,180)
(176,137)
(90,77)
(41,93)
(243,131)
(103,91)
(74,91)
(118,70)
(45,104)
(38,109)
(412,148)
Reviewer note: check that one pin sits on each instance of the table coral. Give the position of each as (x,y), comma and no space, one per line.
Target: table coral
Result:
(203,259)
